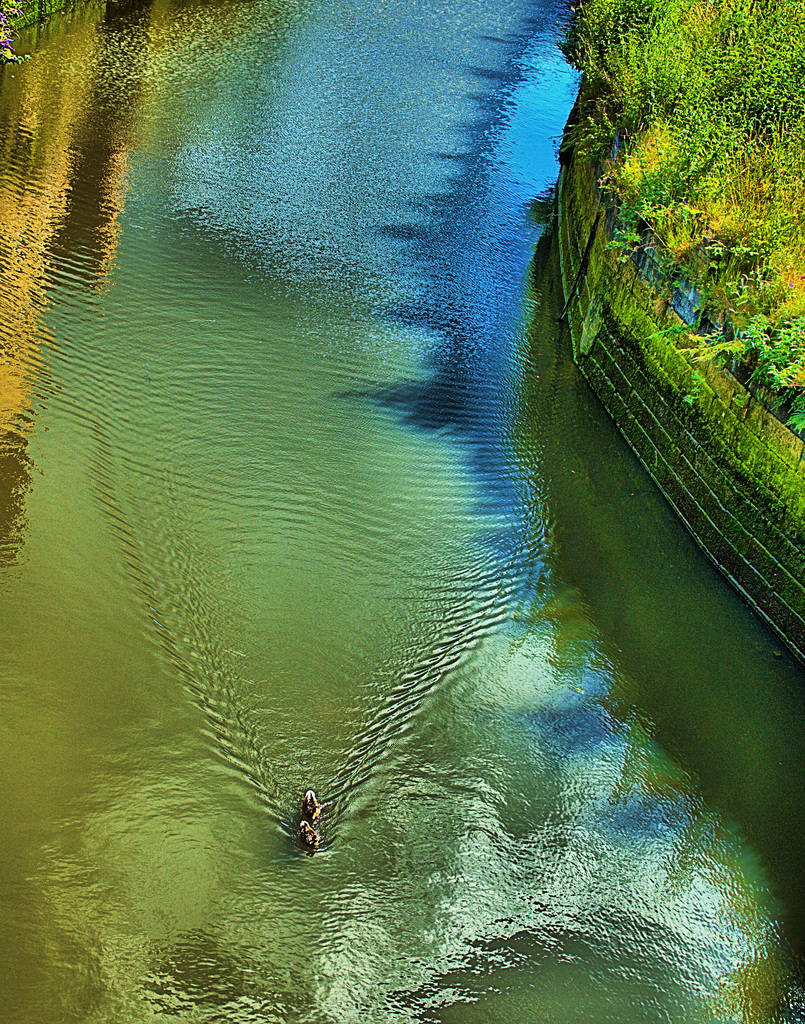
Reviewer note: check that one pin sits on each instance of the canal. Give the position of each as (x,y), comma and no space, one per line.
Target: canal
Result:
(298,487)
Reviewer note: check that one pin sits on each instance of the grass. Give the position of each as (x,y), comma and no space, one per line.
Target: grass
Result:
(706,98)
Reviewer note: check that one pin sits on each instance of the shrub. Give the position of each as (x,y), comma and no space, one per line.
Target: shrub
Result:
(7,14)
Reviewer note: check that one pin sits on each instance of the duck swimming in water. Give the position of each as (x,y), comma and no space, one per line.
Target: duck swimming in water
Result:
(311,808)
(308,835)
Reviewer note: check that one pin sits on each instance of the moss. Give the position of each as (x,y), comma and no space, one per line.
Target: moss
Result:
(734,473)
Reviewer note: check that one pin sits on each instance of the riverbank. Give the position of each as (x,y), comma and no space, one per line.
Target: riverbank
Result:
(731,470)
(703,102)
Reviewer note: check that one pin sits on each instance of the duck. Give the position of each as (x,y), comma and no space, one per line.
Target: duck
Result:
(308,835)
(311,808)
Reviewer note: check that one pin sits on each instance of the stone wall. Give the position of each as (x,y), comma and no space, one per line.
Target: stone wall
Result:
(733,472)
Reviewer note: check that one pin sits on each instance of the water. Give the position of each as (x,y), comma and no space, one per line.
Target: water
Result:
(298,487)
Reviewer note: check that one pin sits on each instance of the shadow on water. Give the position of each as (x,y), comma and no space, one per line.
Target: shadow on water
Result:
(473,272)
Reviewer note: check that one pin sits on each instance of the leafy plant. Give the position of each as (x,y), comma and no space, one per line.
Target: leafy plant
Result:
(706,98)
(7,14)
(775,356)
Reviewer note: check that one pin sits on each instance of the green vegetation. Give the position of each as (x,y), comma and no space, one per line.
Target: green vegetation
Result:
(706,98)
(8,12)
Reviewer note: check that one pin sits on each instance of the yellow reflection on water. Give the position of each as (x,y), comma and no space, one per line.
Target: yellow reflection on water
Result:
(39,109)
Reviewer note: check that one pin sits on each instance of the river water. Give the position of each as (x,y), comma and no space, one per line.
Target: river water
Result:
(298,488)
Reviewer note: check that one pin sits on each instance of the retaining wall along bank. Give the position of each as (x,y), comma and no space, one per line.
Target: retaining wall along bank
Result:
(733,472)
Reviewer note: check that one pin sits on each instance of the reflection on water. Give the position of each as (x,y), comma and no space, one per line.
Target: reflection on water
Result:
(305,503)
(58,171)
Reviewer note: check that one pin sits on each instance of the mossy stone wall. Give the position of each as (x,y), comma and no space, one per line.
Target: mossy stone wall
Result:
(734,474)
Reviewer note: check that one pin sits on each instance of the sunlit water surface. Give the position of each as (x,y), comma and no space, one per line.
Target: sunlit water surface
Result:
(292,495)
